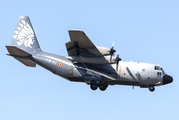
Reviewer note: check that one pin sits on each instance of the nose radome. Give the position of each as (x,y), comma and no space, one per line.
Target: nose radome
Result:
(167,79)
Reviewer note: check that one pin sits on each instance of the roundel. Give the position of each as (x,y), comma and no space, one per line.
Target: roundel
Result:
(60,64)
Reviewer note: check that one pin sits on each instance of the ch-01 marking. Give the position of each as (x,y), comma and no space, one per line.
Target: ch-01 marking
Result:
(51,61)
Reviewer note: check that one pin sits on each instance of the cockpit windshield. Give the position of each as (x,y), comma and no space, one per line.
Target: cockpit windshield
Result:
(163,71)
(159,68)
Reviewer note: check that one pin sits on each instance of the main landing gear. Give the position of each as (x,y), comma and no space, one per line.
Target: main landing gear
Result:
(151,88)
(101,87)
(93,87)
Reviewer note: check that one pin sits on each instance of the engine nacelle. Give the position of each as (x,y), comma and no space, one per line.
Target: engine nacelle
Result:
(93,60)
(100,51)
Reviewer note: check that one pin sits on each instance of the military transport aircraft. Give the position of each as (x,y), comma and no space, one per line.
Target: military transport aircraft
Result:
(94,65)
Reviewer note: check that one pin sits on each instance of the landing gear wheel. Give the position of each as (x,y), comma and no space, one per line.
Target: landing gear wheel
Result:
(93,87)
(151,88)
(103,87)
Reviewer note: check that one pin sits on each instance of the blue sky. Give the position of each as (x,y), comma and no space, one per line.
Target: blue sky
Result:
(145,31)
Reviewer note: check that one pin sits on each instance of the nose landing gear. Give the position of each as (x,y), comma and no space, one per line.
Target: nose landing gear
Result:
(151,88)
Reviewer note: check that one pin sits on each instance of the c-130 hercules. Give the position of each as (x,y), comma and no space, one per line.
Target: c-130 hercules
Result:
(94,65)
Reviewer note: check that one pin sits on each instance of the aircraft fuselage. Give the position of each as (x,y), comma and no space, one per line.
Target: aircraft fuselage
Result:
(128,73)
(94,65)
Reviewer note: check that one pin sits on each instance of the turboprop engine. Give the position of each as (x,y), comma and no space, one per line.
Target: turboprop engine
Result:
(93,60)
(101,51)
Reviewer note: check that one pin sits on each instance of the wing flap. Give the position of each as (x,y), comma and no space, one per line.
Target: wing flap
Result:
(72,48)
(14,51)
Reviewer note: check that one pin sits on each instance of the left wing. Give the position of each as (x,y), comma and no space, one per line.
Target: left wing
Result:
(81,49)
(80,44)
(92,59)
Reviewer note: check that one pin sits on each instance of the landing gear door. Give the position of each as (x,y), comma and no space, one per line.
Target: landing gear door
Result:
(70,71)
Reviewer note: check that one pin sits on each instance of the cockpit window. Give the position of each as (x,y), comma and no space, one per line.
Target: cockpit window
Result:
(159,73)
(163,71)
(159,68)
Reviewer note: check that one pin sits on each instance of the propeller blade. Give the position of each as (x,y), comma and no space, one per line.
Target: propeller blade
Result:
(117,61)
(117,66)
(112,51)
(113,44)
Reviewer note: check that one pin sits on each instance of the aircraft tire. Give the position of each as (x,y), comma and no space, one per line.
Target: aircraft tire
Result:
(103,87)
(151,88)
(93,87)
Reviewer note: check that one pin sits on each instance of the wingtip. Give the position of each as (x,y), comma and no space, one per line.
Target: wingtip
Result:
(75,30)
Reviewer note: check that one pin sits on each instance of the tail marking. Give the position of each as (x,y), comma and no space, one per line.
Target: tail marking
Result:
(24,34)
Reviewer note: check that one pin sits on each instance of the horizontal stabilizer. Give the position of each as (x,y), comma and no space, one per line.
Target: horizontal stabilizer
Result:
(26,62)
(14,51)
(20,55)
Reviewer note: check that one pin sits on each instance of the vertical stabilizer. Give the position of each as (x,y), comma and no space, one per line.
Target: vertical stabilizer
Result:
(24,36)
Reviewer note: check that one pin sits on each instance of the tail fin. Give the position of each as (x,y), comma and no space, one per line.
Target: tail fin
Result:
(24,42)
(24,36)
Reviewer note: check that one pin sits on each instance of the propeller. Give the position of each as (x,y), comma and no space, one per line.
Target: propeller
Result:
(117,60)
(112,51)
